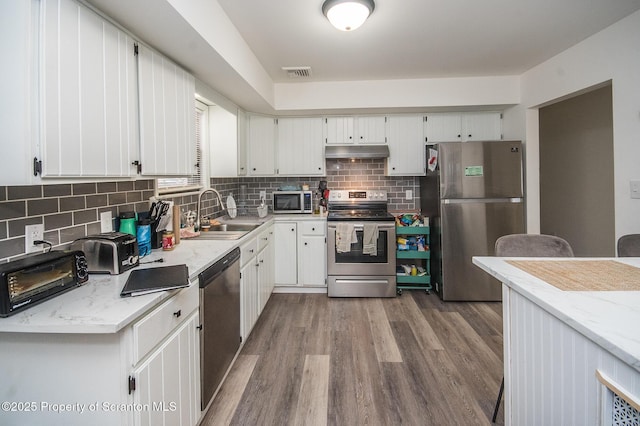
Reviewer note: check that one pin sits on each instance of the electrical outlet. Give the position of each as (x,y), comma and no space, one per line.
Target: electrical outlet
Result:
(33,233)
(106,222)
(408,195)
(263,195)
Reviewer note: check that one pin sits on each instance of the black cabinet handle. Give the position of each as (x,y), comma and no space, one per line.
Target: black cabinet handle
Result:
(199,327)
(178,313)
(313,229)
(292,229)
(254,169)
(469,135)
(305,244)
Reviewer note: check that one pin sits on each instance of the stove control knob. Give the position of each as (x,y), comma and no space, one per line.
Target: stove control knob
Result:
(339,195)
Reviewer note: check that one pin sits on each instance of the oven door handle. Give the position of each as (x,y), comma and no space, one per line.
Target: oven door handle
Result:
(360,226)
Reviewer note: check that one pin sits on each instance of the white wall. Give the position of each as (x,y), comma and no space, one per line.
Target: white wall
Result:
(410,93)
(612,54)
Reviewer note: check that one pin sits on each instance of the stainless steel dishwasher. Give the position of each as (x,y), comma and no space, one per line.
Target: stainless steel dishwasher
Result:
(220,319)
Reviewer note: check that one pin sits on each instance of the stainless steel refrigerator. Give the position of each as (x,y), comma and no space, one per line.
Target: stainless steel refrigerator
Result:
(474,196)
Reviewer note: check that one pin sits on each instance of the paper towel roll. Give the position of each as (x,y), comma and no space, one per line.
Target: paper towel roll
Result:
(176,223)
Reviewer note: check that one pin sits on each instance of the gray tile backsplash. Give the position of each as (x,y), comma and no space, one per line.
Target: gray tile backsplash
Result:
(70,211)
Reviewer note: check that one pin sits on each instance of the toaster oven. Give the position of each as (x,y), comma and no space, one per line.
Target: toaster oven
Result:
(36,278)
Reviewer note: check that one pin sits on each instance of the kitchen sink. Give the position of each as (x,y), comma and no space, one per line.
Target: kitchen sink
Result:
(226,231)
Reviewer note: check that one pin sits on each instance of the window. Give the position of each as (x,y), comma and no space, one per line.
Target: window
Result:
(193,182)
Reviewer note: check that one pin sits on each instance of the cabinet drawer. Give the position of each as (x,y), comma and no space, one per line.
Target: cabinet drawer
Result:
(157,325)
(264,238)
(313,228)
(248,251)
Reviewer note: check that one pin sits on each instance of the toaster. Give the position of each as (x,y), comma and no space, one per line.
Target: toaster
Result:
(108,253)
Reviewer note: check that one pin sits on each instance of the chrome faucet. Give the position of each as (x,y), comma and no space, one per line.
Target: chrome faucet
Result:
(204,191)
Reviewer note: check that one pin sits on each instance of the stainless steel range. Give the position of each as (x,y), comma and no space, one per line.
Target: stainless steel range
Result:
(361,245)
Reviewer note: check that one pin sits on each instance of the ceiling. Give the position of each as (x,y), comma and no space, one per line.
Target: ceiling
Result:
(403,39)
(419,38)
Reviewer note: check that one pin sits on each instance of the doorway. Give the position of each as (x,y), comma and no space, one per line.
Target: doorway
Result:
(576,172)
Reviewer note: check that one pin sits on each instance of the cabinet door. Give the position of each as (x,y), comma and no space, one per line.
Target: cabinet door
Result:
(167,116)
(285,247)
(242,143)
(261,145)
(248,297)
(223,142)
(168,382)
(300,149)
(406,146)
(265,286)
(482,126)
(312,263)
(372,130)
(88,94)
(338,130)
(443,128)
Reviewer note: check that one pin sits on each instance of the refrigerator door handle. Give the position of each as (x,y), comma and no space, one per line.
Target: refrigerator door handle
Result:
(481,200)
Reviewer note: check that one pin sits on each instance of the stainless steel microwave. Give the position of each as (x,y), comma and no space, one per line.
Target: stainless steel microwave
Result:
(292,201)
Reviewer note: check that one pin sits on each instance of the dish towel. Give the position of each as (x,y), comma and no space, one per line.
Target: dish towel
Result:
(370,239)
(345,236)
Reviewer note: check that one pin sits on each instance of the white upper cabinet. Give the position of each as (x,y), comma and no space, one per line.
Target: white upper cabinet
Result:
(167,116)
(350,129)
(88,94)
(482,126)
(242,143)
(371,129)
(223,142)
(300,148)
(451,127)
(261,145)
(406,146)
(443,128)
(338,130)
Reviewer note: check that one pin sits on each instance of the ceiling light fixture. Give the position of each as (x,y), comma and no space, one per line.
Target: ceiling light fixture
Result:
(347,15)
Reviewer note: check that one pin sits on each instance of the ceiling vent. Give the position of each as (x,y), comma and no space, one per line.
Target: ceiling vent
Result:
(297,72)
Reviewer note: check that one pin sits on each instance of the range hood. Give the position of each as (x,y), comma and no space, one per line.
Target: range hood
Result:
(356,151)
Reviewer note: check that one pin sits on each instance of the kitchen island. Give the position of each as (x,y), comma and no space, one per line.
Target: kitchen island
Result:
(566,350)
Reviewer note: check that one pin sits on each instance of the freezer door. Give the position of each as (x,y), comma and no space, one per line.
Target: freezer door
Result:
(480,169)
(470,228)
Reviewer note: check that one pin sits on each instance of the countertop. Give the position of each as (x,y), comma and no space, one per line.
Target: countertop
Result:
(96,306)
(608,318)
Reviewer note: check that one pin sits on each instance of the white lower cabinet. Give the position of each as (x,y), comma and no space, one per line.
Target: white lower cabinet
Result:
(166,381)
(166,375)
(148,373)
(300,253)
(286,248)
(256,279)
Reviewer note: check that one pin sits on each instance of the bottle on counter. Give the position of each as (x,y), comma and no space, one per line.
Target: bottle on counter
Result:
(128,223)
(144,237)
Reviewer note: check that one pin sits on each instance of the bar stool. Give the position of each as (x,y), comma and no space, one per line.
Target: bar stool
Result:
(529,245)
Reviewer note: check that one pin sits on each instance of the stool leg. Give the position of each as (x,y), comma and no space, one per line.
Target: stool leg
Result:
(495,411)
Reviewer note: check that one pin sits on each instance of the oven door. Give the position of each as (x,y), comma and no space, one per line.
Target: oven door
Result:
(355,262)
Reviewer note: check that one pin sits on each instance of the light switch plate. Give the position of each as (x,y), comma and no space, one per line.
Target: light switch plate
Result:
(263,195)
(408,195)
(33,233)
(635,189)
(106,222)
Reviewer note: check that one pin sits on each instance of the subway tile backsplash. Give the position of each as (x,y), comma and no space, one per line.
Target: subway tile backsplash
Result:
(70,211)
(67,211)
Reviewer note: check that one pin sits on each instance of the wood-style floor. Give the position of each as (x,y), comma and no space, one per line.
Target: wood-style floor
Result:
(410,360)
